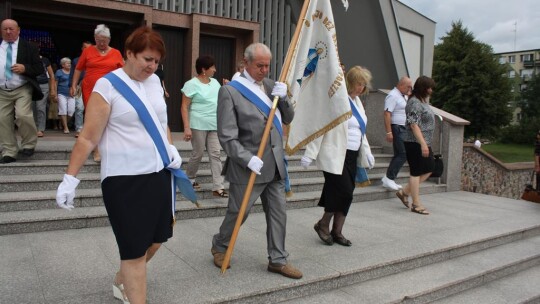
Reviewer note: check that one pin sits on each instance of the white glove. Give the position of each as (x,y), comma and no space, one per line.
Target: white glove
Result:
(255,164)
(371,161)
(176,160)
(280,89)
(66,192)
(305,161)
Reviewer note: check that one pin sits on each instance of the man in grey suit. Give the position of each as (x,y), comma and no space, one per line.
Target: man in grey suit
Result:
(241,125)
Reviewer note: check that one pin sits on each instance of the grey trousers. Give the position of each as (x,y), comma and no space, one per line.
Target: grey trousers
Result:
(40,108)
(273,201)
(199,140)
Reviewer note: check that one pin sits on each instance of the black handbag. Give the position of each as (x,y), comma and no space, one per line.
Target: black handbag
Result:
(438,168)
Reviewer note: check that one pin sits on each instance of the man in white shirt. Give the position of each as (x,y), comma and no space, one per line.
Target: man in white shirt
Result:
(394,122)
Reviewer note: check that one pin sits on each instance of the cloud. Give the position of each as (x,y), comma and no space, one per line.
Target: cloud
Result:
(490,21)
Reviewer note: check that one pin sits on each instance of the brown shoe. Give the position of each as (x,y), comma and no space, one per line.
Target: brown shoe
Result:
(286,270)
(218,258)
(403,197)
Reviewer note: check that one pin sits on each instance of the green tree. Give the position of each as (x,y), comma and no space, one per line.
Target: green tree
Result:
(530,102)
(525,131)
(471,83)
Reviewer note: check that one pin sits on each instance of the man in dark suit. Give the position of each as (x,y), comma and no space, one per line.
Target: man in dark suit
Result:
(19,66)
(241,124)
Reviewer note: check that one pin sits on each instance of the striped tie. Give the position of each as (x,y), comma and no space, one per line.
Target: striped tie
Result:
(8,61)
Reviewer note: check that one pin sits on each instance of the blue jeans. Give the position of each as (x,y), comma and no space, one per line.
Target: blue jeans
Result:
(400,156)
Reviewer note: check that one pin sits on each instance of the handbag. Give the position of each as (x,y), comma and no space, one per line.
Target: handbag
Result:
(530,194)
(438,167)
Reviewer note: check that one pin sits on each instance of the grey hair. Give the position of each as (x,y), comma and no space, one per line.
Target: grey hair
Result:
(102,30)
(249,53)
(64,60)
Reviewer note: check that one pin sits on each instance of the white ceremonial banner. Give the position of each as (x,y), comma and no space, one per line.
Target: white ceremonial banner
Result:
(315,79)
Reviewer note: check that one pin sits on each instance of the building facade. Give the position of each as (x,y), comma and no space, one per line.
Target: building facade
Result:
(521,66)
(386,36)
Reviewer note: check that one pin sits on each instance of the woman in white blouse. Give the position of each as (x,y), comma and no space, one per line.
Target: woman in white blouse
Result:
(136,186)
(337,193)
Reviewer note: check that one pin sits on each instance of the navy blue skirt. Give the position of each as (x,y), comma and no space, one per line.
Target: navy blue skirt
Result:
(139,210)
(418,165)
(337,193)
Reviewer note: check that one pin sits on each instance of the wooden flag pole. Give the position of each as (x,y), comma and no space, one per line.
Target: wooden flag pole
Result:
(262,146)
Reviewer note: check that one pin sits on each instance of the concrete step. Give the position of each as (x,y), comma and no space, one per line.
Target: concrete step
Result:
(447,277)
(91,179)
(520,287)
(28,199)
(468,239)
(37,211)
(57,166)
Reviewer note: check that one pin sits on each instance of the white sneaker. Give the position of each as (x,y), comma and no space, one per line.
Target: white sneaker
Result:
(390,184)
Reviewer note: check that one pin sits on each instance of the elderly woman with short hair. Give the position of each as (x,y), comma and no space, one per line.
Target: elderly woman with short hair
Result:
(66,103)
(96,61)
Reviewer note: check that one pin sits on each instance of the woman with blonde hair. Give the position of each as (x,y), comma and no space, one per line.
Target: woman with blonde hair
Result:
(337,193)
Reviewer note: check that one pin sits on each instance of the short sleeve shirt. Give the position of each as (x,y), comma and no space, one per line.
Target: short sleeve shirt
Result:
(62,80)
(395,103)
(44,77)
(203,109)
(126,148)
(421,114)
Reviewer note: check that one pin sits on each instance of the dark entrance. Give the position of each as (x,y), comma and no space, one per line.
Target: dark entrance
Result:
(222,49)
(173,65)
(60,28)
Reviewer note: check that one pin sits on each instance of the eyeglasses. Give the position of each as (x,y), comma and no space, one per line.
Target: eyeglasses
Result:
(102,40)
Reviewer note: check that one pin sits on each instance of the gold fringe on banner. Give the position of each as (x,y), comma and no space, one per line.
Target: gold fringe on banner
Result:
(321,132)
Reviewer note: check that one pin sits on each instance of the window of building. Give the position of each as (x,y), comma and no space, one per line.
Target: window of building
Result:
(502,60)
(526,73)
(526,57)
(512,59)
(512,74)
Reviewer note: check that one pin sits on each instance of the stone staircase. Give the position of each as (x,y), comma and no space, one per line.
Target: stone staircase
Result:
(28,188)
(472,248)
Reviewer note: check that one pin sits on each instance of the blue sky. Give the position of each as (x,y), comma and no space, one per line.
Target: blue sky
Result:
(490,21)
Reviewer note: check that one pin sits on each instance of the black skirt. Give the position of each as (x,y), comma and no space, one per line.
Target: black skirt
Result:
(140,211)
(418,165)
(337,193)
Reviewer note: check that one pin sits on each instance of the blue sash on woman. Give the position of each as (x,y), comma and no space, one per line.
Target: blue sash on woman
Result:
(180,178)
(361,178)
(261,105)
